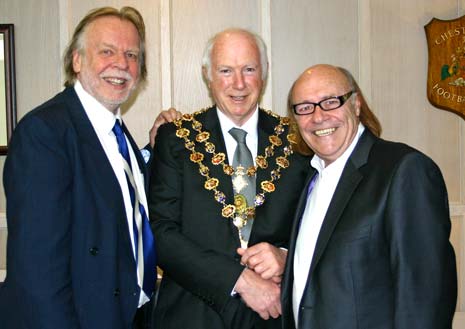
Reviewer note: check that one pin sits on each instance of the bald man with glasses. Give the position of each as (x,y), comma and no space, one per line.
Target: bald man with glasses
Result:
(370,243)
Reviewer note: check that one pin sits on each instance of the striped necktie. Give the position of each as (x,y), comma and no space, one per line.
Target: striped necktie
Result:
(144,243)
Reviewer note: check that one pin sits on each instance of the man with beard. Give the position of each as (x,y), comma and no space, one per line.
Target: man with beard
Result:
(80,251)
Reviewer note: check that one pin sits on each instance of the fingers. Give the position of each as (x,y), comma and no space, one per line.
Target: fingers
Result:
(277,279)
(265,259)
(263,296)
(175,115)
(267,272)
(275,310)
(170,115)
(248,253)
(165,116)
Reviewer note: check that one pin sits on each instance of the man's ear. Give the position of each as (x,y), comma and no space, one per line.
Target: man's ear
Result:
(205,76)
(267,68)
(358,104)
(77,61)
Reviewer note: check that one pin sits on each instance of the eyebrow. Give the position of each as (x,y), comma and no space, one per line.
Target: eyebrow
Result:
(321,99)
(112,46)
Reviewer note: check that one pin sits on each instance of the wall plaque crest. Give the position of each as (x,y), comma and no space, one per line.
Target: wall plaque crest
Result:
(446,64)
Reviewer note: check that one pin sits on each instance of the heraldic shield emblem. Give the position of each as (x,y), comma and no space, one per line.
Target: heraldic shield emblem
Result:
(446,64)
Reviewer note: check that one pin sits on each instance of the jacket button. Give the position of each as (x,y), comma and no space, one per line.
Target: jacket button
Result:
(116,292)
(93,251)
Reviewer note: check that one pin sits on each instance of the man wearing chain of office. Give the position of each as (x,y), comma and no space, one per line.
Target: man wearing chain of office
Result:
(224,185)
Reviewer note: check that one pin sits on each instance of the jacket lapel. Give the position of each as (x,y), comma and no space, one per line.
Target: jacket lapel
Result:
(350,178)
(265,128)
(288,277)
(98,170)
(211,123)
(140,160)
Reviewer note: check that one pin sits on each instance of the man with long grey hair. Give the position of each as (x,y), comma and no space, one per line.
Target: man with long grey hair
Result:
(80,250)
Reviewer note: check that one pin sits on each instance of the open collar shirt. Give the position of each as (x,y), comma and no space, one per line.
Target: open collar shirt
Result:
(312,219)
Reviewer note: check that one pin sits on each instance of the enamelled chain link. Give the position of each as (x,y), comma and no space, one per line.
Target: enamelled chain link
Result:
(238,211)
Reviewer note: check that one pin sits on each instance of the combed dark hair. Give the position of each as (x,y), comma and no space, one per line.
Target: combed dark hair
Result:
(77,42)
(367,117)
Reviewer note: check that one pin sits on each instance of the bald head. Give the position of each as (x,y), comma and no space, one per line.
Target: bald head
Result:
(323,79)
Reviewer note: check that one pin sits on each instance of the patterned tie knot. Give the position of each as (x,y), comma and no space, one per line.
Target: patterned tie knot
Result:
(238,134)
(121,140)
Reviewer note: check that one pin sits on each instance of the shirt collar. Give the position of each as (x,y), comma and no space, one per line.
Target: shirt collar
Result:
(101,118)
(250,126)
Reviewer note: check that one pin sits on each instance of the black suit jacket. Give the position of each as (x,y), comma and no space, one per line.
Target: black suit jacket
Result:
(196,245)
(69,256)
(383,257)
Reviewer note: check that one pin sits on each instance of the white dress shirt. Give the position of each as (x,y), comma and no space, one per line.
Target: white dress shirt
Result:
(312,219)
(250,127)
(102,121)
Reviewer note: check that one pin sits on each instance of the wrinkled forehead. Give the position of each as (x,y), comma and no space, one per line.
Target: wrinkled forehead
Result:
(236,45)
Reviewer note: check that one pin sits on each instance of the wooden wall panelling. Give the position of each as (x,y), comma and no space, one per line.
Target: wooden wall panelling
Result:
(36,50)
(193,22)
(305,33)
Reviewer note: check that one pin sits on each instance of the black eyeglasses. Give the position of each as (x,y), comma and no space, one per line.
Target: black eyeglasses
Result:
(327,104)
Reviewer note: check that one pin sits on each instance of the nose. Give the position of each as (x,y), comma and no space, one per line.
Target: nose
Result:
(121,61)
(318,115)
(239,81)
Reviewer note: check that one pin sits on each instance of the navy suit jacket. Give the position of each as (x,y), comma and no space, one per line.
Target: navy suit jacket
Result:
(69,258)
(196,245)
(383,258)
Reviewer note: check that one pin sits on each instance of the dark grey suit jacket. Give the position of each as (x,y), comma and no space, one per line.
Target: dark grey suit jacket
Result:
(196,245)
(383,257)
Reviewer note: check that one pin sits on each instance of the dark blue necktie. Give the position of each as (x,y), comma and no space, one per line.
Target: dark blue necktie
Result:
(144,243)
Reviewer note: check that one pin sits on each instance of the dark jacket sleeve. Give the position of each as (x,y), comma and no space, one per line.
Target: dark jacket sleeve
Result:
(422,259)
(38,187)
(205,272)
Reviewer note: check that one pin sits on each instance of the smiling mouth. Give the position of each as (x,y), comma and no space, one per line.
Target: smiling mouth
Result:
(238,98)
(115,81)
(324,132)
